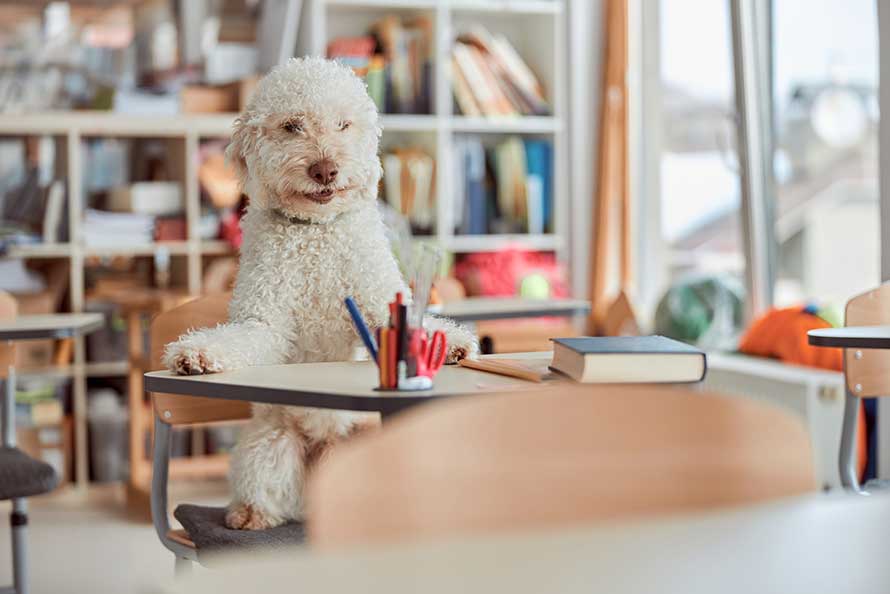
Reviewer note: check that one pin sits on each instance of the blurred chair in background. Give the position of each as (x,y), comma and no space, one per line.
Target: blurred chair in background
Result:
(20,475)
(547,459)
(866,375)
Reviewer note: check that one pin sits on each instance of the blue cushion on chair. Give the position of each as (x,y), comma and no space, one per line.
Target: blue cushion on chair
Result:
(23,476)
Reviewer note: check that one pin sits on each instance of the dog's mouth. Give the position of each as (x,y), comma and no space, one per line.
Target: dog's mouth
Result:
(323,196)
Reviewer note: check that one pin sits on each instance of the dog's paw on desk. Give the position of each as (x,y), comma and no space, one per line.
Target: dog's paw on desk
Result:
(460,351)
(189,360)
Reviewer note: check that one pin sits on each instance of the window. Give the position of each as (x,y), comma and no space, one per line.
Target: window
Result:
(822,76)
(825,107)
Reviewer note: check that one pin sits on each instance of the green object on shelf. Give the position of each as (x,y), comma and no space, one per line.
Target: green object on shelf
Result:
(707,311)
(534,286)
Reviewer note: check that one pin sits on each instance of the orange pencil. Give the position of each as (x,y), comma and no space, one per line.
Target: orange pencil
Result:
(384,358)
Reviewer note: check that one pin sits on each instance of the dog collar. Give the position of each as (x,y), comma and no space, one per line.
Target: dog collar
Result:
(300,220)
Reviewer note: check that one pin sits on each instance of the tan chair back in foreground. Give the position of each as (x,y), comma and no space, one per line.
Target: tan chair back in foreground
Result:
(866,373)
(536,460)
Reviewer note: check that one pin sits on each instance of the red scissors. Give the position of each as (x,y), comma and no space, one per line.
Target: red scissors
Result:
(429,353)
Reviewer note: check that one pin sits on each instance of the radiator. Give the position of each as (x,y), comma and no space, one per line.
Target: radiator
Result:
(814,395)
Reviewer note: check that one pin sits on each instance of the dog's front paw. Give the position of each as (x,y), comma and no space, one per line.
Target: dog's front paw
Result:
(464,349)
(190,360)
(243,516)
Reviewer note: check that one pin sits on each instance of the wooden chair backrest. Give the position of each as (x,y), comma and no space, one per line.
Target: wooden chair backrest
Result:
(8,309)
(867,371)
(551,458)
(167,327)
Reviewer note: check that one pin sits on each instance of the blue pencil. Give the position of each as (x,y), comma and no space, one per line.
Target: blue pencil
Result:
(361,327)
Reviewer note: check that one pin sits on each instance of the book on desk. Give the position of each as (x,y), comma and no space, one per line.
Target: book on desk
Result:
(619,360)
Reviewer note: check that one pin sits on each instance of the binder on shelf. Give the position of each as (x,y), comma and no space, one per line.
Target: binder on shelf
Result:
(518,197)
(499,80)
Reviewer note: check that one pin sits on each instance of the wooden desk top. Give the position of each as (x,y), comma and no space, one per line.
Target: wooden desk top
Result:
(814,544)
(852,337)
(63,325)
(475,309)
(336,385)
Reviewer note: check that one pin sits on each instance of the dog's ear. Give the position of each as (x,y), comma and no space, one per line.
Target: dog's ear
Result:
(243,139)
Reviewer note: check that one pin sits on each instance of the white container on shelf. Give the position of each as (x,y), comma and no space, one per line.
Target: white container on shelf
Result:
(151,198)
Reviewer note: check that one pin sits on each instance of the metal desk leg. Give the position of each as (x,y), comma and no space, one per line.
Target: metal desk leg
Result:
(847,457)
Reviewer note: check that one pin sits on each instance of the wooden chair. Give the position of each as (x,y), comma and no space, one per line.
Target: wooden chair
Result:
(537,460)
(866,375)
(206,531)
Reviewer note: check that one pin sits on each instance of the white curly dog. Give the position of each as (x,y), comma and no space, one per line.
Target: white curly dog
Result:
(305,150)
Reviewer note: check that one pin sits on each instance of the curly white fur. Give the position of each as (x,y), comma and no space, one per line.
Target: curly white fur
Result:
(299,260)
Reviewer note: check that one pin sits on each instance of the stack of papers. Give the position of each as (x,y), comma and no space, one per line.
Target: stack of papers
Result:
(106,229)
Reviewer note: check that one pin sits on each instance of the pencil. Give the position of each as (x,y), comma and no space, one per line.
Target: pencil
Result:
(394,359)
(381,359)
(361,327)
(402,354)
(384,358)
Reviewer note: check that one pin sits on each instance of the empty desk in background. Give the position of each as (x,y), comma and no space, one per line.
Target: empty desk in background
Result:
(57,326)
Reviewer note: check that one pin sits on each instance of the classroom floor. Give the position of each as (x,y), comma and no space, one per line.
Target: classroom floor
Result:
(90,544)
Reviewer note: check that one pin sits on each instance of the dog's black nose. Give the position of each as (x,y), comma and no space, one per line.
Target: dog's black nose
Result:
(324,171)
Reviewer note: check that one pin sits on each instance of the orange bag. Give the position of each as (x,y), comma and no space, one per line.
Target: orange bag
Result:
(782,334)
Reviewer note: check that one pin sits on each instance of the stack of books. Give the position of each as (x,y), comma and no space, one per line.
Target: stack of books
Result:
(491,79)
(506,189)
(408,186)
(111,229)
(395,60)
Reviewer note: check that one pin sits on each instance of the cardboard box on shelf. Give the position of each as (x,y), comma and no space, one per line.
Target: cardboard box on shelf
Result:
(224,98)
(39,353)
(34,353)
(208,99)
(51,444)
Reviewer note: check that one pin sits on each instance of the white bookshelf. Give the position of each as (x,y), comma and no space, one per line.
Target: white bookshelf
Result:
(535,27)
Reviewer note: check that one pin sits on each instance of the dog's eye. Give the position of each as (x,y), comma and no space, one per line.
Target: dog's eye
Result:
(292,126)
(345,124)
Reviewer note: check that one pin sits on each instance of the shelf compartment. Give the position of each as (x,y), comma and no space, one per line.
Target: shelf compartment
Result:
(385,4)
(492,243)
(40,250)
(408,123)
(510,6)
(506,125)
(217,247)
(176,248)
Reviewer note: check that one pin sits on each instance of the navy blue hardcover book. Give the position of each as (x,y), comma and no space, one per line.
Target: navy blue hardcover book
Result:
(628,359)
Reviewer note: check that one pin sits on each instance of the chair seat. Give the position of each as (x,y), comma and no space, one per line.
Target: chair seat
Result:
(23,476)
(207,529)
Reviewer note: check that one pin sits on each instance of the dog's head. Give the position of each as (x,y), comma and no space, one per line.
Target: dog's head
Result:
(307,142)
